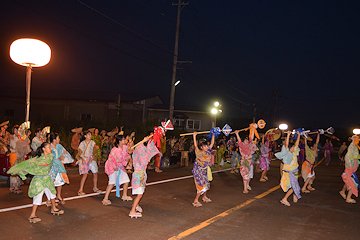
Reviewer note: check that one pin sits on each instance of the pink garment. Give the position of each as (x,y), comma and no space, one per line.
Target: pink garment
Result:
(348,180)
(246,151)
(117,159)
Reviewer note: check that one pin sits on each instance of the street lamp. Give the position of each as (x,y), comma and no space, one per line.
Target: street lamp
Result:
(216,110)
(283,126)
(29,53)
(356,131)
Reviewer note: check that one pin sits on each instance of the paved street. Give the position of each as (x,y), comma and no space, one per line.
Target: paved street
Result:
(168,212)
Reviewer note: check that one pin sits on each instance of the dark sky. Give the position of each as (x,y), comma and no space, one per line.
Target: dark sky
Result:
(241,51)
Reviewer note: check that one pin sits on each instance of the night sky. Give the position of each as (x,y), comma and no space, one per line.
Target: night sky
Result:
(241,52)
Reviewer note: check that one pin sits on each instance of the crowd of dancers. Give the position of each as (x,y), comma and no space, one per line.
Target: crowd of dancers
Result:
(247,155)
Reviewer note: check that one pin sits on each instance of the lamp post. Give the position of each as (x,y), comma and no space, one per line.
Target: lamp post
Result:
(356,131)
(29,53)
(216,110)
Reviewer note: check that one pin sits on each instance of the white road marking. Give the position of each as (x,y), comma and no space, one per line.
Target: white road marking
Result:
(103,192)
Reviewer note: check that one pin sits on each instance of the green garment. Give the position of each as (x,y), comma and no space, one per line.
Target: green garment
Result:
(41,179)
(220,152)
(309,154)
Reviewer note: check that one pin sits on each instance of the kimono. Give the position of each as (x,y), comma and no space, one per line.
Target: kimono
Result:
(200,171)
(351,165)
(290,170)
(235,159)
(307,169)
(86,151)
(221,155)
(41,179)
(246,151)
(58,171)
(98,142)
(302,152)
(35,143)
(118,159)
(328,148)
(141,157)
(105,149)
(4,142)
(264,158)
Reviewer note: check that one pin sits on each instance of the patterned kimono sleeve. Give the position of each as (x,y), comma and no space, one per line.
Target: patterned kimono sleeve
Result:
(121,155)
(151,150)
(280,155)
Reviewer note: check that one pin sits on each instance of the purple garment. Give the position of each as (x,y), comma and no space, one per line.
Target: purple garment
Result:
(328,149)
(200,175)
(264,158)
(302,152)
(294,182)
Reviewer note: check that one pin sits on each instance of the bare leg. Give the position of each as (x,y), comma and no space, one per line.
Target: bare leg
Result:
(343,190)
(125,187)
(136,203)
(348,198)
(262,175)
(245,186)
(58,192)
(95,179)
(197,197)
(108,190)
(82,182)
(310,187)
(53,205)
(287,195)
(33,211)
(303,189)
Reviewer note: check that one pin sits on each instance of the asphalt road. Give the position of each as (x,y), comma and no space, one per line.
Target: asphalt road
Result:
(168,212)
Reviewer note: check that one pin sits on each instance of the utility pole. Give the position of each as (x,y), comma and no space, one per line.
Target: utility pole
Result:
(254,111)
(172,92)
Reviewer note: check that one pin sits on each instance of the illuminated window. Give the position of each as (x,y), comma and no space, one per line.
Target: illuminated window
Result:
(193,124)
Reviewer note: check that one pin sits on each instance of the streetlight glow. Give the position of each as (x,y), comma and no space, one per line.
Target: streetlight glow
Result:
(356,131)
(214,111)
(177,83)
(283,126)
(216,104)
(27,51)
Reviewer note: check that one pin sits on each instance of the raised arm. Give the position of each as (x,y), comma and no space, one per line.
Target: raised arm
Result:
(306,142)
(237,136)
(212,141)
(298,139)
(195,142)
(317,140)
(287,139)
(263,139)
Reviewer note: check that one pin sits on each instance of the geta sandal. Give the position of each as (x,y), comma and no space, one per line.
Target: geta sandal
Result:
(285,203)
(206,199)
(135,215)
(343,195)
(138,209)
(197,204)
(305,191)
(57,212)
(351,200)
(34,219)
(106,202)
(96,190)
(81,193)
(126,198)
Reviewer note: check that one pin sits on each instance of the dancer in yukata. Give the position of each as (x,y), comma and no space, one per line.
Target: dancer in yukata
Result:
(264,164)
(290,172)
(141,158)
(307,170)
(41,183)
(349,176)
(58,173)
(247,149)
(201,169)
(328,148)
(86,153)
(235,160)
(115,169)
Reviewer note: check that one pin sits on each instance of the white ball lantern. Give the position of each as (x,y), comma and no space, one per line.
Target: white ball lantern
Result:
(27,51)
(283,126)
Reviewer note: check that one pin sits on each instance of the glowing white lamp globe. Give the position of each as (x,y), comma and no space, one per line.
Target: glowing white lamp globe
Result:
(216,104)
(214,111)
(283,126)
(356,131)
(30,52)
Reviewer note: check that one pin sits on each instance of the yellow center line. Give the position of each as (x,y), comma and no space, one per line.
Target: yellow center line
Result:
(227,212)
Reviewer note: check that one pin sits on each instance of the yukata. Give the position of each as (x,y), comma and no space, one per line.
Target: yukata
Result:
(221,155)
(41,180)
(235,159)
(351,165)
(200,171)
(231,145)
(117,160)
(98,142)
(58,172)
(246,164)
(307,169)
(302,152)
(35,143)
(264,158)
(328,148)
(105,149)
(4,142)
(290,171)
(141,158)
(86,151)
